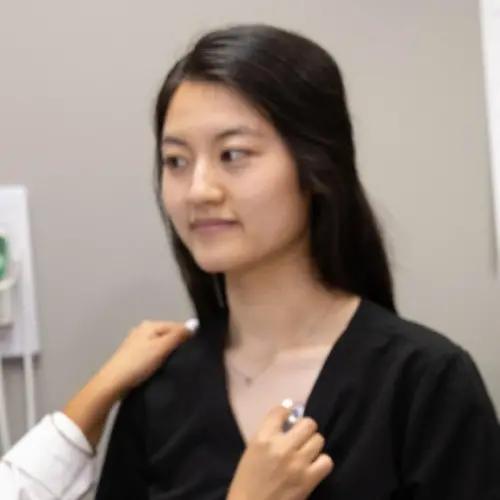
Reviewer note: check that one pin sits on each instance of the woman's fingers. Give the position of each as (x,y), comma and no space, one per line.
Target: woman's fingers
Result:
(312,448)
(274,422)
(281,465)
(320,468)
(299,434)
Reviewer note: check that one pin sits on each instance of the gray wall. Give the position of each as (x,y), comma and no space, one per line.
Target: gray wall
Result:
(77,81)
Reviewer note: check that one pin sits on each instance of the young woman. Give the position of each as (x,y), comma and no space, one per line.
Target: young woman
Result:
(286,267)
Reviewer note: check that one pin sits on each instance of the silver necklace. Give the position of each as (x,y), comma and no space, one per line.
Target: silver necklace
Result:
(249,380)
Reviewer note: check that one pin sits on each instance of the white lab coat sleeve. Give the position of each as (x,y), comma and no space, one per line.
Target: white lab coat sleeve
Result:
(53,461)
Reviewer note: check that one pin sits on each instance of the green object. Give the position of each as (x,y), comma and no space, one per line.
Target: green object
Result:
(4,257)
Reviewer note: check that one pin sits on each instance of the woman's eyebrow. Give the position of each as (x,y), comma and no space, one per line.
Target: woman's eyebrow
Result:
(238,131)
(174,140)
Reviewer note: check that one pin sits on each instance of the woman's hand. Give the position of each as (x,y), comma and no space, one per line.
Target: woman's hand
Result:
(281,466)
(139,356)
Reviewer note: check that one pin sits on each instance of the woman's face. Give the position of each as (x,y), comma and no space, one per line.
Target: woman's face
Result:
(229,184)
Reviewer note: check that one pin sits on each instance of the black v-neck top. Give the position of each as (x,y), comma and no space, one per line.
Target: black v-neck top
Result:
(403,410)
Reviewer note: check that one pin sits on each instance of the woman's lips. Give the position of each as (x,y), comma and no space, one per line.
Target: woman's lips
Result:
(212,225)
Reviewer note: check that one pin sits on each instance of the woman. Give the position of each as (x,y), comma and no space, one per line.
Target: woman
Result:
(286,267)
(55,460)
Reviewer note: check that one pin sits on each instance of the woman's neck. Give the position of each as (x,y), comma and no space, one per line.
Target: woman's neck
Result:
(277,303)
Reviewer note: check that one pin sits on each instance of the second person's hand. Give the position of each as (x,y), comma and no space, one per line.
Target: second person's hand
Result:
(138,357)
(142,353)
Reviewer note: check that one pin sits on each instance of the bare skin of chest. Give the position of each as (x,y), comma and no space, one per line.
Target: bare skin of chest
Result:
(288,377)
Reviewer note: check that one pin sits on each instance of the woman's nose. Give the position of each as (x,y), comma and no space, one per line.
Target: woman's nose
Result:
(205,187)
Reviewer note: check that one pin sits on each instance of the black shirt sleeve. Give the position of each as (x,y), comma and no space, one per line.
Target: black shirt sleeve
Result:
(124,473)
(452,438)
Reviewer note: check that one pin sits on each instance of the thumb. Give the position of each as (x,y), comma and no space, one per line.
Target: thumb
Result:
(274,422)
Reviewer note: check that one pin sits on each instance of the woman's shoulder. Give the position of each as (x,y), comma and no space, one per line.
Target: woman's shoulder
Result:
(175,391)
(190,368)
(405,337)
(422,364)
(442,416)
(410,353)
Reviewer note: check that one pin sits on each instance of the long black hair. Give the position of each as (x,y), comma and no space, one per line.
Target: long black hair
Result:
(298,86)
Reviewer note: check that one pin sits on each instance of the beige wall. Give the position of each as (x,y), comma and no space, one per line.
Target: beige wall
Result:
(77,81)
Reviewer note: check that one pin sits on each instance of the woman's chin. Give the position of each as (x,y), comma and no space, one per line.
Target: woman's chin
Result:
(214,267)
(219,265)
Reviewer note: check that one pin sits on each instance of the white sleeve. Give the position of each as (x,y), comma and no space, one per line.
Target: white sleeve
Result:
(53,461)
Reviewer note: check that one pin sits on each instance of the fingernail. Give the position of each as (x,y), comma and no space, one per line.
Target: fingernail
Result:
(192,325)
(287,403)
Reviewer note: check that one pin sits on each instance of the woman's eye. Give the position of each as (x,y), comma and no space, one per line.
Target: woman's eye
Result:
(233,155)
(174,162)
